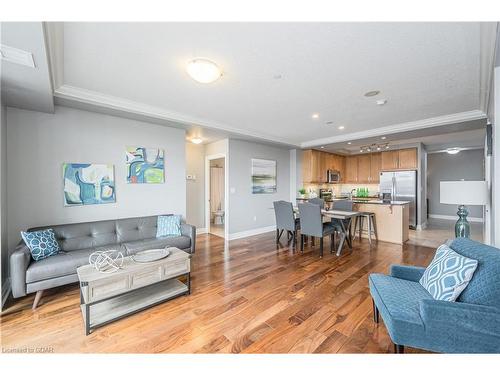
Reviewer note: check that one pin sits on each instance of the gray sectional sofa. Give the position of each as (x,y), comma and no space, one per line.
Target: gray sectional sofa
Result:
(78,241)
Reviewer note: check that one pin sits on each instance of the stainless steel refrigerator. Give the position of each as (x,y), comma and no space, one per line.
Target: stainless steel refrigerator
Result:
(403,187)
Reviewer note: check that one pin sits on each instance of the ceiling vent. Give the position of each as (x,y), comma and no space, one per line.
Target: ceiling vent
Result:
(17,56)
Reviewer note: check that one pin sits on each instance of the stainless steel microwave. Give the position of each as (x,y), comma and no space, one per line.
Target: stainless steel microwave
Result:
(332,176)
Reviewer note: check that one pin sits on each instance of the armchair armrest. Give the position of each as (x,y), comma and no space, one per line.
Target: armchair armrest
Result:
(463,326)
(189,231)
(19,262)
(410,273)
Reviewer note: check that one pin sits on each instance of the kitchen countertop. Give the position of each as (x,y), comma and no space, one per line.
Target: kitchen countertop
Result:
(363,201)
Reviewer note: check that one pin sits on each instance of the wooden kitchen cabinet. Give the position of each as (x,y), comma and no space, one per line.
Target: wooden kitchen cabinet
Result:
(314,166)
(390,160)
(408,158)
(400,159)
(364,168)
(351,169)
(375,167)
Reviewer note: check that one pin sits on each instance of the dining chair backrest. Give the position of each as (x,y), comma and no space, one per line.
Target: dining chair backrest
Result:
(318,201)
(311,223)
(285,218)
(343,205)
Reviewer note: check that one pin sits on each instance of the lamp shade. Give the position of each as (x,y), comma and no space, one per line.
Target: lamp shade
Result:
(464,192)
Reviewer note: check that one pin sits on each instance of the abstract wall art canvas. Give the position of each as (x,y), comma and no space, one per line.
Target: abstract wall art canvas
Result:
(263,176)
(86,184)
(145,165)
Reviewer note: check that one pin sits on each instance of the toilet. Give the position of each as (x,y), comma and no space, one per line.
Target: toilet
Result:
(219,217)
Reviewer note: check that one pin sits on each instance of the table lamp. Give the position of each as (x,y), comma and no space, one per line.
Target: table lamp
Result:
(463,193)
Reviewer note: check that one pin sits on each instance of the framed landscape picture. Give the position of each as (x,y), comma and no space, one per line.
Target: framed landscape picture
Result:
(145,165)
(86,184)
(263,176)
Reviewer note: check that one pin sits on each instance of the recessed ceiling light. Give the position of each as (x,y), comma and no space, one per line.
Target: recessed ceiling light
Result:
(196,141)
(383,137)
(381,102)
(341,127)
(372,93)
(322,147)
(349,143)
(203,70)
(453,150)
(315,115)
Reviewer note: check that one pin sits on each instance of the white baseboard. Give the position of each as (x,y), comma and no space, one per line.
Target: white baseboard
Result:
(6,289)
(201,231)
(455,218)
(251,232)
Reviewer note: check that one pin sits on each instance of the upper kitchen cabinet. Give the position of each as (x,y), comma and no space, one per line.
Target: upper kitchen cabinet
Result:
(400,159)
(408,158)
(351,169)
(375,167)
(364,168)
(390,160)
(314,166)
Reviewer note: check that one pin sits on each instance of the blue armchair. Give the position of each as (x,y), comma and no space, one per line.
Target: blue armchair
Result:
(413,318)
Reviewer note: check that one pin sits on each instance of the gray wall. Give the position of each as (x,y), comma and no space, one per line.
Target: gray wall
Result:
(467,165)
(38,144)
(3,200)
(244,205)
(195,189)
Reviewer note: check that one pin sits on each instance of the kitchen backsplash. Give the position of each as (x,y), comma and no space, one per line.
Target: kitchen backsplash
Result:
(341,189)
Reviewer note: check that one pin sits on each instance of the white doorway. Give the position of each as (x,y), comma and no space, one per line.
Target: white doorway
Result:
(216,195)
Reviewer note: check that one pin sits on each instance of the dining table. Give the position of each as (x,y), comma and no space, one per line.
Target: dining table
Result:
(345,220)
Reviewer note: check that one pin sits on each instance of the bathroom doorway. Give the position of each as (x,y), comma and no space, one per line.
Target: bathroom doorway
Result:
(216,194)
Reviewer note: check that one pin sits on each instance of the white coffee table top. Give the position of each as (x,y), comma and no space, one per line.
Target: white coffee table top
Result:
(88,273)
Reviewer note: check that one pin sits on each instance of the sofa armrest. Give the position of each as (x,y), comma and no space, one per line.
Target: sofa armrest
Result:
(19,262)
(410,273)
(189,231)
(466,327)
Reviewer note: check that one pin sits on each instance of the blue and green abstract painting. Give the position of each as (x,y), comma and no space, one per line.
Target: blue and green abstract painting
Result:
(145,165)
(88,184)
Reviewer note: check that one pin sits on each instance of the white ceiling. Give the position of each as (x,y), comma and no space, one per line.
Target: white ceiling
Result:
(432,74)
(424,70)
(22,86)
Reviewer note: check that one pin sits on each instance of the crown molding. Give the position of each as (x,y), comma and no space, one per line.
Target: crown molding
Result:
(54,42)
(487,46)
(398,128)
(69,94)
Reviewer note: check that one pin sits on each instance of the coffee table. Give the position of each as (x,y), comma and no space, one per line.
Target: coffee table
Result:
(106,297)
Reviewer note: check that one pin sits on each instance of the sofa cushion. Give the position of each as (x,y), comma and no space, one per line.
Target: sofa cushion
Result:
(42,243)
(448,274)
(135,229)
(169,226)
(398,303)
(181,242)
(62,264)
(484,288)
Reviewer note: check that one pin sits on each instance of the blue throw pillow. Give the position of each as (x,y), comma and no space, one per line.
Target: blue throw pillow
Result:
(169,226)
(448,274)
(42,243)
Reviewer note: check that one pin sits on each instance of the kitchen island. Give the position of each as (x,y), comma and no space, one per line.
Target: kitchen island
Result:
(392,219)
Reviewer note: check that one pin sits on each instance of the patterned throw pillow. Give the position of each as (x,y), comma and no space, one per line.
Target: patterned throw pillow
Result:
(169,226)
(41,243)
(448,274)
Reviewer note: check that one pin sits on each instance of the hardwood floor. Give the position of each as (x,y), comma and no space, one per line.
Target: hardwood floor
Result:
(250,297)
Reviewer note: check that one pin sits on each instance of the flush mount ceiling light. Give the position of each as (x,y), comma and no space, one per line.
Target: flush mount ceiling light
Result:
(349,143)
(453,150)
(372,93)
(203,70)
(196,141)
(341,127)
(383,137)
(315,115)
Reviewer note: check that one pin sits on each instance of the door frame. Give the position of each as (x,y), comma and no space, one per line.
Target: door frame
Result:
(208,158)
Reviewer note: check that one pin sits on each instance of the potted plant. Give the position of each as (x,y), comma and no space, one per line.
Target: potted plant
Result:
(302,193)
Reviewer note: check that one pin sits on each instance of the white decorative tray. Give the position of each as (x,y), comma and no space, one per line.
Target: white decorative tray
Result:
(147,256)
